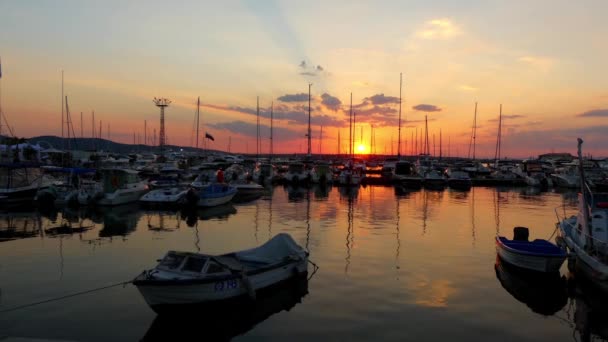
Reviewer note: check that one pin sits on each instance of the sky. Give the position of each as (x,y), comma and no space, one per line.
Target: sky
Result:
(543,61)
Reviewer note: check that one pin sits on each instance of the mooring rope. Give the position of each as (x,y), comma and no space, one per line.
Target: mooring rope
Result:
(66,296)
(315,269)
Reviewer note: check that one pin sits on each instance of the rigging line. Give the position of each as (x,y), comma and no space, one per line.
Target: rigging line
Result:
(66,296)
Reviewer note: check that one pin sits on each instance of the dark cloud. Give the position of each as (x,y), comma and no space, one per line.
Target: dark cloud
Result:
(319,68)
(303,64)
(250,130)
(508,117)
(380,99)
(597,113)
(293,97)
(426,108)
(308,73)
(331,102)
(231,108)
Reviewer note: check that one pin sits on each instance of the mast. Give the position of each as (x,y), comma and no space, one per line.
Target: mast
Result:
(271,131)
(62,108)
(399,138)
(350,127)
(440,150)
(257,138)
(584,192)
(498,138)
(320,140)
(339,141)
(354,128)
(145,132)
(81,127)
(309,132)
(474,130)
(198,107)
(426,135)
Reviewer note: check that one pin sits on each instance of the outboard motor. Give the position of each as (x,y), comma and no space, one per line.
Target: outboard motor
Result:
(520,234)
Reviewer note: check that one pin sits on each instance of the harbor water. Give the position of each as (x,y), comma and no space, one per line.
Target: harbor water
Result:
(394,265)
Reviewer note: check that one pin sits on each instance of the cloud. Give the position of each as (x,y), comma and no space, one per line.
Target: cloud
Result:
(596,113)
(467,88)
(303,64)
(319,68)
(302,97)
(379,99)
(508,117)
(426,108)
(331,102)
(308,73)
(312,70)
(439,29)
(542,63)
(250,130)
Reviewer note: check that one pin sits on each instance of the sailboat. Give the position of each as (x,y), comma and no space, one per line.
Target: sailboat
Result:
(586,234)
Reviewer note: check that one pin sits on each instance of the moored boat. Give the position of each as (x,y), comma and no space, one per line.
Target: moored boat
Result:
(537,255)
(184,278)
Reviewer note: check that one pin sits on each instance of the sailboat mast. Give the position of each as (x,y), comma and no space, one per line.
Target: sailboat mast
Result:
(198,107)
(339,141)
(474,130)
(257,139)
(309,132)
(350,127)
(498,138)
(320,140)
(399,138)
(62,108)
(271,130)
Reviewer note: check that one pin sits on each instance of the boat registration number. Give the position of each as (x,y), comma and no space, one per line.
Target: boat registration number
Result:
(226,285)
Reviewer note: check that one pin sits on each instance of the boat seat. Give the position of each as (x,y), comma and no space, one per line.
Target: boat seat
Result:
(520,234)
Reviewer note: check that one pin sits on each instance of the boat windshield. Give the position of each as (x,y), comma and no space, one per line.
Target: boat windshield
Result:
(194,264)
(172,261)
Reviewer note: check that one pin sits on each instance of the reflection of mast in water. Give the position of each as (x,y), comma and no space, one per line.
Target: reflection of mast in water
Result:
(60,257)
(256,220)
(397,234)
(497,210)
(307,219)
(270,218)
(473,215)
(425,210)
(198,239)
(350,237)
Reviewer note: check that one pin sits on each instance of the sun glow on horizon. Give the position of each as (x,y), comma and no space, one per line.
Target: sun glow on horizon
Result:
(362,149)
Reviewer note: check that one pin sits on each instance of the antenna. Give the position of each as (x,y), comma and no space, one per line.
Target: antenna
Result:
(162,103)
(309,133)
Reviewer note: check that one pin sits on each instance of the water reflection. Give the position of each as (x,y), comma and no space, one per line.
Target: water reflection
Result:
(19,225)
(590,307)
(120,220)
(226,320)
(543,293)
(220,212)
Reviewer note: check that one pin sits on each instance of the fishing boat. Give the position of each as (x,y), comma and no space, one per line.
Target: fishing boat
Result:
(185,278)
(538,255)
(586,234)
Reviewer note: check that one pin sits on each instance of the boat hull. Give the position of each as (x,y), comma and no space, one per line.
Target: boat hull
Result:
(529,261)
(162,296)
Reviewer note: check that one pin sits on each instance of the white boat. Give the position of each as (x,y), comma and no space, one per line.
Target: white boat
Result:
(586,234)
(434,179)
(458,179)
(173,195)
(405,174)
(183,278)
(296,173)
(321,174)
(264,172)
(538,255)
(349,176)
(121,186)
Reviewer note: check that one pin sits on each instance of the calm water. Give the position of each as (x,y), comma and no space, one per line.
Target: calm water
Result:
(394,265)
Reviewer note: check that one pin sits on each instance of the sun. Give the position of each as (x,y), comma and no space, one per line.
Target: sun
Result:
(361,149)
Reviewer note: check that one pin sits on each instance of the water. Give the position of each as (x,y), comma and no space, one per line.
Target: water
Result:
(394,265)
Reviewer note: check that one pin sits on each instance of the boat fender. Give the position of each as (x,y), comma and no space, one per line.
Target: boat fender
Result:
(248,286)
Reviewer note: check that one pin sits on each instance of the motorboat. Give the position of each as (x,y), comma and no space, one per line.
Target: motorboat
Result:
(537,255)
(214,194)
(121,186)
(174,195)
(186,278)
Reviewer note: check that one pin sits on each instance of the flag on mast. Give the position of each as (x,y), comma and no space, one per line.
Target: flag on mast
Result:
(209,136)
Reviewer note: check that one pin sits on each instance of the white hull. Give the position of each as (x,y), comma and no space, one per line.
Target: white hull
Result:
(217,290)
(539,264)
(167,196)
(123,196)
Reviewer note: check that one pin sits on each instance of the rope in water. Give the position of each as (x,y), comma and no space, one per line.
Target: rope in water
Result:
(65,297)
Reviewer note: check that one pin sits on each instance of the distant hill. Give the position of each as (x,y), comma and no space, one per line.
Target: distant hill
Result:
(96,144)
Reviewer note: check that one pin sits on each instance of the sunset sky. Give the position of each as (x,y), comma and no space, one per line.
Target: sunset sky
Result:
(544,61)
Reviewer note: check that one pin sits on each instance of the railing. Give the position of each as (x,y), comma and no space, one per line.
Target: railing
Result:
(596,248)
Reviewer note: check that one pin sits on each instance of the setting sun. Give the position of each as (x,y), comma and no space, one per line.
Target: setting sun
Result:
(361,149)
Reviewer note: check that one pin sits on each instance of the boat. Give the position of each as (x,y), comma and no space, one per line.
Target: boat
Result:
(322,174)
(405,174)
(458,179)
(214,194)
(19,184)
(228,320)
(185,278)
(538,255)
(121,186)
(586,234)
(174,195)
(296,173)
(543,293)
(63,191)
(247,191)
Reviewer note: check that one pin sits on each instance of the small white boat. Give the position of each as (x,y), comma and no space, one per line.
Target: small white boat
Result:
(121,186)
(173,195)
(184,278)
(538,255)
